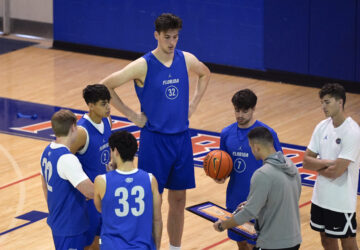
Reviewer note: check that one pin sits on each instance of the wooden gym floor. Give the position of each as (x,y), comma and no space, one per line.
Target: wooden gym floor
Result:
(54,77)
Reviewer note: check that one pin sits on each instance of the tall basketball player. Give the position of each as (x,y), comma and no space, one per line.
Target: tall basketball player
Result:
(162,86)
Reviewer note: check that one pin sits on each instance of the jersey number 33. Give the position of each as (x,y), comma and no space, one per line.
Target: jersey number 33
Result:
(138,193)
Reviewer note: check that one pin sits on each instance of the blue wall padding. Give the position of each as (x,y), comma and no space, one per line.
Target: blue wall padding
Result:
(333,39)
(286,35)
(313,37)
(228,32)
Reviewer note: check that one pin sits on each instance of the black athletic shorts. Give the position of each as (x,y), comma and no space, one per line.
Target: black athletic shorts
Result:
(334,224)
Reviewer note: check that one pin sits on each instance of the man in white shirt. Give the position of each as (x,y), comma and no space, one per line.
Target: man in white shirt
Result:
(334,152)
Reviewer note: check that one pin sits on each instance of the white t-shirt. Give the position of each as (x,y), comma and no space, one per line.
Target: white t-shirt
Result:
(330,143)
(69,167)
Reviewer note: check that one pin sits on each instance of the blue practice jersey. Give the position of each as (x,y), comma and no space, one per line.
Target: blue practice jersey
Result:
(67,206)
(234,141)
(97,155)
(127,211)
(165,96)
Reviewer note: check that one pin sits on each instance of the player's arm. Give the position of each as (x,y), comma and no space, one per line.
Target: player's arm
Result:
(111,166)
(311,162)
(220,225)
(86,187)
(80,140)
(157,219)
(203,72)
(136,70)
(336,170)
(99,191)
(44,187)
(69,168)
(349,153)
(258,195)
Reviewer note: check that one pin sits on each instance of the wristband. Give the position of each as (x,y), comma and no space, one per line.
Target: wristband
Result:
(220,227)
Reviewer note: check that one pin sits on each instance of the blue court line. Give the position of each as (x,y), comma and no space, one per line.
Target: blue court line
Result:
(32,216)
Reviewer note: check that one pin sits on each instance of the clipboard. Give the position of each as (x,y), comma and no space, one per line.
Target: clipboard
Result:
(213,212)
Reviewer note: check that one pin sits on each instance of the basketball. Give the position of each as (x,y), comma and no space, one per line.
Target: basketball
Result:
(218,164)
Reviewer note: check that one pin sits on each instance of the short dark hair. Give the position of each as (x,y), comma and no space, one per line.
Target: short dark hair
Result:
(244,99)
(167,21)
(125,143)
(95,92)
(334,90)
(261,135)
(61,122)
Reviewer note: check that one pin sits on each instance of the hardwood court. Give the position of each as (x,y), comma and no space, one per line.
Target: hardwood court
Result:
(55,77)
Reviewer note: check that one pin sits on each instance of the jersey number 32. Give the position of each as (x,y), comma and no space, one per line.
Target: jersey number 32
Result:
(48,169)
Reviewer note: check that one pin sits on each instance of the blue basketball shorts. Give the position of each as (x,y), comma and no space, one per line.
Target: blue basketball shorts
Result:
(95,222)
(110,242)
(169,157)
(76,242)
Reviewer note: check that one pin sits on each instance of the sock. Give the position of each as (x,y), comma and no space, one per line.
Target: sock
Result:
(174,248)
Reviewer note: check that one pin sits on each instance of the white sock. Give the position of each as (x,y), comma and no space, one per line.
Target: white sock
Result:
(174,248)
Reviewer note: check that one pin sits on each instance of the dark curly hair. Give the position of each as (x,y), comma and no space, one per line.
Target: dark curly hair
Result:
(125,143)
(244,99)
(96,92)
(334,90)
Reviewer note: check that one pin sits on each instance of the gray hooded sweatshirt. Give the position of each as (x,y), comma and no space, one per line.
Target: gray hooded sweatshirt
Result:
(274,202)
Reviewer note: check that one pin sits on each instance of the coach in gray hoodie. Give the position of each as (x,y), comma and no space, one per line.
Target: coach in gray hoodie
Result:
(273,199)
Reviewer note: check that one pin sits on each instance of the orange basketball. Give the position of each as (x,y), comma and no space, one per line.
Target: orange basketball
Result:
(218,164)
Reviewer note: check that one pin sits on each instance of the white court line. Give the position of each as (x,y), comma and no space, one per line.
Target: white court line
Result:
(22,193)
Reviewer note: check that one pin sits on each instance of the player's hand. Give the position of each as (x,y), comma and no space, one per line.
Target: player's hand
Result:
(240,207)
(329,168)
(328,172)
(110,166)
(221,181)
(217,226)
(140,120)
(327,163)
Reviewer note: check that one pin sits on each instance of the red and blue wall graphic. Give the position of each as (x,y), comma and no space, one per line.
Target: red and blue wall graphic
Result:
(33,120)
